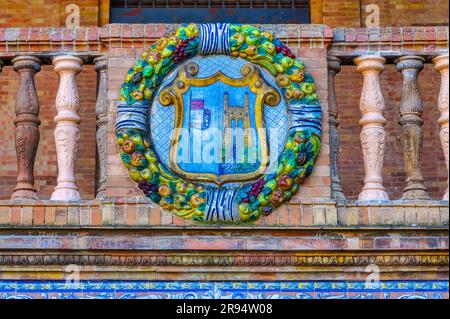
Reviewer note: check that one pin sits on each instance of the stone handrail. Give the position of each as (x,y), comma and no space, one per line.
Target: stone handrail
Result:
(389,42)
(87,41)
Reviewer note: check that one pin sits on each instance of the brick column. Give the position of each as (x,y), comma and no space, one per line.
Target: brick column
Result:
(441,64)
(100,110)
(334,67)
(27,125)
(373,135)
(411,135)
(67,132)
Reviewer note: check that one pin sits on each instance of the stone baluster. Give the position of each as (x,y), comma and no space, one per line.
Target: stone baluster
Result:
(441,64)
(27,126)
(411,134)
(373,135)
(334,67)
(100,110)
(67,131)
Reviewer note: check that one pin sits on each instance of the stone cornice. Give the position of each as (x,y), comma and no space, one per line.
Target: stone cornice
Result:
(91,41)
(263,241)
(389,42)
(139,213)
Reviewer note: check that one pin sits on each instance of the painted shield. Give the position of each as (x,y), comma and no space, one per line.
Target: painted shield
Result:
(219,134)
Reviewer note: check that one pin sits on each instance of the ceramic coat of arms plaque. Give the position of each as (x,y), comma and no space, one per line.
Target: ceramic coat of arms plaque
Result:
(219,123)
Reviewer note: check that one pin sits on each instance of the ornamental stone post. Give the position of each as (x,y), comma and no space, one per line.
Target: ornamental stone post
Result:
(411,134)
(27,122)
(441,64)
(334,67)
(100,111)
(373,135)
(67,131)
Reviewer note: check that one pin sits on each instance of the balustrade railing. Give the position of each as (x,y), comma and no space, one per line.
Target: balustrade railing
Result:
(373,135)
(369,63)
(67,120)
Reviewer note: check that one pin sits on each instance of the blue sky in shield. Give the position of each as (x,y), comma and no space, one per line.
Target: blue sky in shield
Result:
(162,119)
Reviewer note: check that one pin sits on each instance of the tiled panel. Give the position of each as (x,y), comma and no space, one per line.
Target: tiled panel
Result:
(223,290)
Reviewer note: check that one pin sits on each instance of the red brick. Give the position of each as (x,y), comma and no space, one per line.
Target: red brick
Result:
(38,215)
(50,215)
(34,35)
(27,215)
(4,215)
(93,34)
(44,34)
(61,215)
(363,217)
(96,218)
(307,217)
(366,243)
(56,35)
(296,215)
(131,215)
(138,30)
(271,219)
(382,243)
(155,216)
(178,220)
(115,30)
(126,31)
(283,215)
(68,35)
(16,214)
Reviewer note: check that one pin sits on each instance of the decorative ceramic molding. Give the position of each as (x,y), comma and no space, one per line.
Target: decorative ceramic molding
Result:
(441,64)
(102,120)
(27,126)
(229,180)
(411,134)
(232,260)
(373,135)
(67,132)
(334,67)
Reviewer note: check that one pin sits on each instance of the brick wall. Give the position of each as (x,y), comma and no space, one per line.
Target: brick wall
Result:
(45,167)
(48,13)
(335,13)
(352,13)
(342,13)
(409,12)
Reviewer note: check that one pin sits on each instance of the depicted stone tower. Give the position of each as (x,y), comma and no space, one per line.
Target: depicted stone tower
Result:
(236,114)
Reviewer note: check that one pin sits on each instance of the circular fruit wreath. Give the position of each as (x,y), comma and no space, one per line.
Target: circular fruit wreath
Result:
(185,198)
